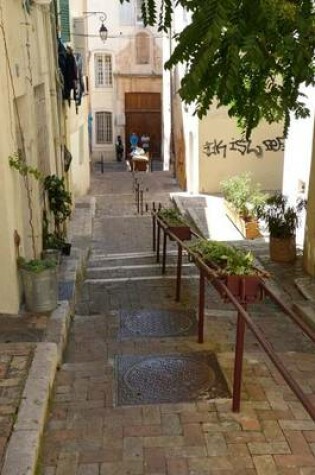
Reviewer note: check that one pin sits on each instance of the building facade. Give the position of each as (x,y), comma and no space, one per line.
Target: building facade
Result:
(125,78)
(37,127)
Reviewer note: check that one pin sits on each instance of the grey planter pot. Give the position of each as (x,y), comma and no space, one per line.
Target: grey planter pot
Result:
(40,289)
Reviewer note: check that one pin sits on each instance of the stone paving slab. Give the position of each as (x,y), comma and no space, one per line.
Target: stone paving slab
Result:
(87,433)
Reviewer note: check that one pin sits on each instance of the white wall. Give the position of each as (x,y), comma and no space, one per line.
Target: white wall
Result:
(298,155)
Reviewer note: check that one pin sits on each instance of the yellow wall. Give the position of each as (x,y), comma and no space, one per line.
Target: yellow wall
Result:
(23,67)
(263,156)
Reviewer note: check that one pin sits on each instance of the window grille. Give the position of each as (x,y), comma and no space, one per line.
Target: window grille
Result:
(103,70)
(104,128)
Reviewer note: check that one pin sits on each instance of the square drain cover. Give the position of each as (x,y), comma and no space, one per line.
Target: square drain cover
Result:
(169,379)
(157,323)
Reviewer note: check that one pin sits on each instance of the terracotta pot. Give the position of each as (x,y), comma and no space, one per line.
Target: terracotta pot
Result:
(282,249)
(252,287)
(252,229)
(249,229)
(182,232)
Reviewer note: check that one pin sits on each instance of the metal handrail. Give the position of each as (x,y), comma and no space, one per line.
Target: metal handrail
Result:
(243,316)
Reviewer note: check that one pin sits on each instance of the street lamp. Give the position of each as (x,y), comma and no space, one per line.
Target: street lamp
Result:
(103,32)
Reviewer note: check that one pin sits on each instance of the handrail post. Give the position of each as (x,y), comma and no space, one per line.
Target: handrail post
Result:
(141,202)
(201,315)
(238,363)
(154,232)
(158,242)
(102,163)
(138,198)
(239,353)
(164,252)
(179,271)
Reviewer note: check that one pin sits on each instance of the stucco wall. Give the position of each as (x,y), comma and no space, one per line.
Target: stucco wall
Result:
(24,70)
(223,153)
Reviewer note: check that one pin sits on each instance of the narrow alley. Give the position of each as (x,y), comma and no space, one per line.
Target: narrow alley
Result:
(137,395)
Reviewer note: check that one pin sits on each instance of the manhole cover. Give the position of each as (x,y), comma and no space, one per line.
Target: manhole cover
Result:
(169,379)
(156,323)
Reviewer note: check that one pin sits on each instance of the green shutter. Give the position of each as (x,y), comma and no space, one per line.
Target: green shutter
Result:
(64,20)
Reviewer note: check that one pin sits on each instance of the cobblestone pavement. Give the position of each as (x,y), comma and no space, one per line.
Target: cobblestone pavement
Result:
(15,360)
(88,433)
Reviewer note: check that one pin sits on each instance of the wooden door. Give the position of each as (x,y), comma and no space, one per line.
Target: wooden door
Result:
(143,116)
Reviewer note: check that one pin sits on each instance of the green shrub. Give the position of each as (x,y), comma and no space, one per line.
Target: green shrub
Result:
(281,218)
(172,217)
(231,261)
(244,195)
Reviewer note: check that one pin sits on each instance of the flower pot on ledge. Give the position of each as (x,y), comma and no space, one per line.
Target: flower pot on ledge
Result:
(181,232)
(248,228)
(252,288)
(282,249)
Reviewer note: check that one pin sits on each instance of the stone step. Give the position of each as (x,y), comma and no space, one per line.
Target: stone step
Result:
(306,310)
(141,270)
(130,259)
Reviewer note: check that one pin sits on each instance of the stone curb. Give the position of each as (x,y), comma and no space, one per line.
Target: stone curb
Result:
(23,447)
(58,326)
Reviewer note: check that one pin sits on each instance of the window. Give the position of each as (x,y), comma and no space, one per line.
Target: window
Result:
(142,48)
(103,70)
(103,128)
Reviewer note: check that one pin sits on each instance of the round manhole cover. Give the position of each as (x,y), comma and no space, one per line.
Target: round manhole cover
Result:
(163,378)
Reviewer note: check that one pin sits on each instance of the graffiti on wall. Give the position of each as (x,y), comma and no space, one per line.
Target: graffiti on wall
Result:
(219,148)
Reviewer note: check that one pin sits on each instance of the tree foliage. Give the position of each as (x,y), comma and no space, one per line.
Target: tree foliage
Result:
(248,55)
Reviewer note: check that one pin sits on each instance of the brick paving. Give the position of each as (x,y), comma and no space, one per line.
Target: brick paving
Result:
(15,360)
(88,433)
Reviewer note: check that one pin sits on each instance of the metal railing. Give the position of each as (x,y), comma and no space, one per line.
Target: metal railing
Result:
(243,317)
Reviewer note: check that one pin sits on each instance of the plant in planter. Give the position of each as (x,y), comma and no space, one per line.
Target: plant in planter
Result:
(60,202)
(175,223)
(40,284)
(282,220)
(234,266)
(39,276)
(243,199)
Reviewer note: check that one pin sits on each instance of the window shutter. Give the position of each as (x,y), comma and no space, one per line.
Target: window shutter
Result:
(64,20)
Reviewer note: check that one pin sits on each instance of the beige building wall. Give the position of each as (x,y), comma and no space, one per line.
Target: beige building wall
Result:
(223,153)
(128,76)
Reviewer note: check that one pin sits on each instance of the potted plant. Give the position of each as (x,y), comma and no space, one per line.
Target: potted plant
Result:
(40,284)
(232,265)
(243,198)
(39,276)
(175,223)
(282,220)
(60,202)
